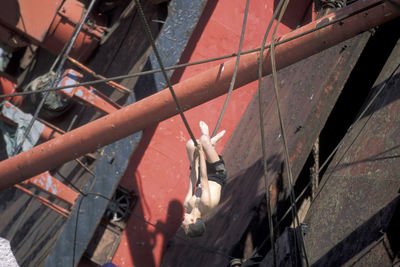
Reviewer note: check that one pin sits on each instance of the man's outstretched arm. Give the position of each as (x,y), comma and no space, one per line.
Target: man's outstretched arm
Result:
(194,163)
(205,187)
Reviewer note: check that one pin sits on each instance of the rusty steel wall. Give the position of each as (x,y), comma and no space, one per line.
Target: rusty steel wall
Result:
(361,185)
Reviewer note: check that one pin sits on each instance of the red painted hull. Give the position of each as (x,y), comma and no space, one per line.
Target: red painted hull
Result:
(159,169)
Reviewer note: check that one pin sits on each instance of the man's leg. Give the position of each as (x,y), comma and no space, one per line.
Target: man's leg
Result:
(209,143)
(190,148)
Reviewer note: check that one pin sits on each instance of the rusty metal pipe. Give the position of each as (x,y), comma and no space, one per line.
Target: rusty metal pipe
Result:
(191,92)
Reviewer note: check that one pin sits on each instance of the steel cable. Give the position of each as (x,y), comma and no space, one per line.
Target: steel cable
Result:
(359,117)
(318,27)
(295,216)
(263,145)
(232,84)
(167,80)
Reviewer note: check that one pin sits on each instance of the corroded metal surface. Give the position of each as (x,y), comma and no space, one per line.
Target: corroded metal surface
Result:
(378,253)
(362,182)
(307,97)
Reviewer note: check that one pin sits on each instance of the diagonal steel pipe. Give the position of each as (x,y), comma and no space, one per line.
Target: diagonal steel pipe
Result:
(314,37)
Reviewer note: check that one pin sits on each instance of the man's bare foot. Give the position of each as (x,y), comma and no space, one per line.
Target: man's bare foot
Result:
(208,143)
(205,138)
(216,138)
(204,129)
(190,148)
(205,135)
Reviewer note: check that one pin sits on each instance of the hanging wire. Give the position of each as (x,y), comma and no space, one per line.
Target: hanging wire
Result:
(370,103)
(232,84)
(132,75)
(167,80)
(318,27)
(263,145)
(286,150)
(286,157)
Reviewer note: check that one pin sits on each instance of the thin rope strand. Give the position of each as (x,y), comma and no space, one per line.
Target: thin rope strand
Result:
(167,80)
(286,150)
(232,84)
(133,75)
(263,145)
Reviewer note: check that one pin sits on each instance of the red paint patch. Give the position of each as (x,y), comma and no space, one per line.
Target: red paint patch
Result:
(159,168)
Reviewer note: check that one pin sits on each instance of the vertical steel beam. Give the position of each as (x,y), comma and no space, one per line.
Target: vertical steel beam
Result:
(194,91)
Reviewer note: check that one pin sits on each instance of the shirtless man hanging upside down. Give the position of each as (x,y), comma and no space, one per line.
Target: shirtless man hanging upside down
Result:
(203,193)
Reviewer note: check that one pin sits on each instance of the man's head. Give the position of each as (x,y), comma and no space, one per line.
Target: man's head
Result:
(194,227)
